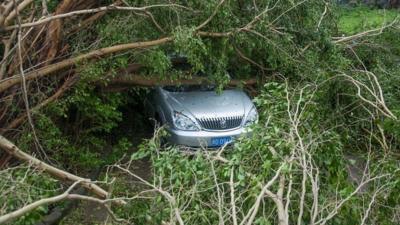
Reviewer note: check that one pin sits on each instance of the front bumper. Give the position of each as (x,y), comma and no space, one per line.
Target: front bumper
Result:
(203,138)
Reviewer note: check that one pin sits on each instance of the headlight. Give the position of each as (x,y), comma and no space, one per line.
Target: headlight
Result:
(252,117)
(183,122)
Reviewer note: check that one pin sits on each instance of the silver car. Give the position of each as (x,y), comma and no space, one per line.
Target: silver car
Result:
(198,116)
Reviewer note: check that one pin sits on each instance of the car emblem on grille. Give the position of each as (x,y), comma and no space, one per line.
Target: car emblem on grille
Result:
(223,123)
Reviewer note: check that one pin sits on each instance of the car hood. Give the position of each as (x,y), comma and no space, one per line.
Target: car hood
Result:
(211,104)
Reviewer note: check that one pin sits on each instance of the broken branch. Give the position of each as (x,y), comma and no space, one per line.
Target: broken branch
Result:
(7,83)
(138,80)
(11,81)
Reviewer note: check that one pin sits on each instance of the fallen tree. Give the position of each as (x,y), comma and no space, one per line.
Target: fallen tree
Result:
(127,78)
(268,40)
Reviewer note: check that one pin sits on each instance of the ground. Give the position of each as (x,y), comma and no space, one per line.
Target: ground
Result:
(88,213)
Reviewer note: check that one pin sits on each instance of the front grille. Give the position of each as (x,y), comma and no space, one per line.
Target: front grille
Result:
(220,123)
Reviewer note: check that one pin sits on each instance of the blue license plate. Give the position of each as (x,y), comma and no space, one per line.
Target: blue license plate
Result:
(220,141)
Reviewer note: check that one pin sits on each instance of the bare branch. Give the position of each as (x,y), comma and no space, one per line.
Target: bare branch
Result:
(23,82)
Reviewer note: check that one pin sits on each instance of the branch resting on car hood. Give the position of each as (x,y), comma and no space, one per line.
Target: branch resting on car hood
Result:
(138,80)
(129,77)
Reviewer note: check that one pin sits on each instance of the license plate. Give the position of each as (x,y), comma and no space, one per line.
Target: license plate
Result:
(220,141)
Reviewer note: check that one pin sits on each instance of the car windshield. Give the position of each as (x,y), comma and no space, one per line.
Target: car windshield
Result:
(189,88)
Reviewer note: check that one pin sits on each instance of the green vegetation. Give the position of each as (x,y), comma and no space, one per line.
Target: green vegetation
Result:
(353,20)
(329,112)
(27,184)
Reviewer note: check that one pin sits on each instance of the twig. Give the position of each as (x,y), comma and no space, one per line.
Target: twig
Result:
(211,16)
(7,7)
(24,88)
(380,105)
(220,202)
(249,25)
(262,68)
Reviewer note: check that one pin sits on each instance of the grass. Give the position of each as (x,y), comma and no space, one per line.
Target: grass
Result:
(353,20)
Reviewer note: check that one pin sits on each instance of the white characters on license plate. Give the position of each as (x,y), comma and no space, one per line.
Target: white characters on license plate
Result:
(220,141)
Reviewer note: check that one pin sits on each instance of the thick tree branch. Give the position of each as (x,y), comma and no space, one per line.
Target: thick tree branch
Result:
(11,81)
(138,80)
(7,83)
